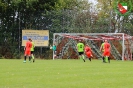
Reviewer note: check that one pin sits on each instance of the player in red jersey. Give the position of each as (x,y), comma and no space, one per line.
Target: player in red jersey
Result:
(27,50)
(106,52)
(88,52)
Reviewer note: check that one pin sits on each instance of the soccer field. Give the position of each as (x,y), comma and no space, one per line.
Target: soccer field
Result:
(66,74)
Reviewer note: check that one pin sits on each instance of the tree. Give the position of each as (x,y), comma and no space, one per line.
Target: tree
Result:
(116,22)
(16,15)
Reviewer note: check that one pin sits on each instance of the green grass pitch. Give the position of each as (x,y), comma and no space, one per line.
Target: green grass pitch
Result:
(66,74)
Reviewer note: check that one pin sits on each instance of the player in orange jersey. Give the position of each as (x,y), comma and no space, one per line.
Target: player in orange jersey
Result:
(88,52)
(107,49)
(27,50)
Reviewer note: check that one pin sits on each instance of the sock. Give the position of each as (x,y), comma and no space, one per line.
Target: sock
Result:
(25,58)
(90,59)
(33,57)
(29,58)
(109,59)
(33,60)
(83,56)
(80,57)
(103,59)
(106,59)
(84,60)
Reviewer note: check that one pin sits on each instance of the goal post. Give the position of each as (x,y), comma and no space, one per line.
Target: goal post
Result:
(66,44)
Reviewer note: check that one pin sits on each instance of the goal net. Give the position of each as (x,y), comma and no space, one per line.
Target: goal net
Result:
(121,45)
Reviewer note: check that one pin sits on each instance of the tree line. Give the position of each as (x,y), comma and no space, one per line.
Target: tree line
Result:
(57,16)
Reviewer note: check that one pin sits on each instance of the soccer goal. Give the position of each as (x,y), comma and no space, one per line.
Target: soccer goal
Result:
(121,45)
